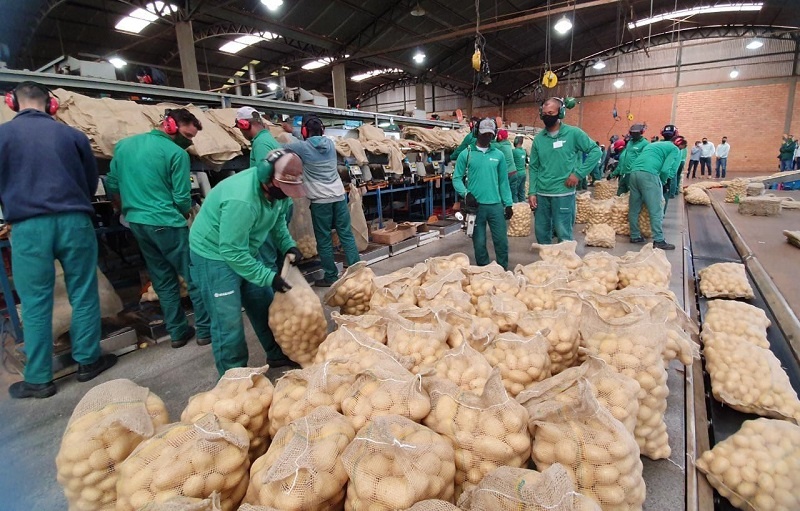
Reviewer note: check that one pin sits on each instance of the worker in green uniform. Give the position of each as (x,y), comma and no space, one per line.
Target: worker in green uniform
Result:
(504,145)
(484,169)
(656,163)
(561,155)
(671,184)
(520,162)
(150,181)
(236,218)
(626,160)
(468,141)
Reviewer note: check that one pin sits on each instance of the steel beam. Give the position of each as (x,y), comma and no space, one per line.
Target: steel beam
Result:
(183,33)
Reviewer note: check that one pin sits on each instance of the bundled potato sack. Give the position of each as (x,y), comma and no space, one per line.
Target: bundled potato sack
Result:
(105,427)
(433,505)
(562,254)
(353,291)
(504,310)
(514,489)
(435,289)
(562,333)
(582,201)
(465,367)
(520,224)
(696,195)
(410,275)
(455,299)
(600,455)
(185,504)
(416,333)
(725,280)
(444,264)
(736,190)
(187,460)
(521,360)
(541,295)
(487,431)
(478,332)
(599,211)
(356,352)
(541,272)
(619,215)
(394,294)
(604,267)
(302,228)
(605,189)
(371,325)
(485,279)
(600,234)
(740,321)
(297,318)
(585,280)
(758,467)
(242,395)
(394,462)
(302,470)
(647,266)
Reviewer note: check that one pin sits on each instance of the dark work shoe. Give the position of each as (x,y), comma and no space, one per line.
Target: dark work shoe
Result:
(637,241)
(203,341)
(283,362)
(90,371)
(663,245)
(180,343)
(323,283)
(23,390)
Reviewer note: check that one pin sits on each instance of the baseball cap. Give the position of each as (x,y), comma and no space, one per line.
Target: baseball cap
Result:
(669,129)
(637,128)
(487,126)
(287,172)
(247,113)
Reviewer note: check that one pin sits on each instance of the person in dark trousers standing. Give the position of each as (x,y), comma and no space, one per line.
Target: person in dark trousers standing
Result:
(786,152)
(48,176)
(521,163)
(706,152)
(722,152)
(694,160)
(150,180)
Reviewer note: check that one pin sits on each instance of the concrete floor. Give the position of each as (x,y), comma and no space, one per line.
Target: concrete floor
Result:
(31,430)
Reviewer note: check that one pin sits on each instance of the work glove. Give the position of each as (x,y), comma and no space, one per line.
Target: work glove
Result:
(280,285)
(509,212)
(470,201)
(294,255)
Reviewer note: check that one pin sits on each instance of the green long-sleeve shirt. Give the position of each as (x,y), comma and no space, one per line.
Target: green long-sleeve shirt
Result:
(486,174)
(632,151)
(261,145)
(555,156)
(507,149)
(235,220)
(659,158)
(150,174)
(520,155)
(787,150)
(469,140)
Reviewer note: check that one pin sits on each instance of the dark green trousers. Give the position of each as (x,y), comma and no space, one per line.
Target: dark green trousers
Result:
(522,188)
(646,188)
(326,217)
(492,215)
(554,215)
(623,184)
(35,244)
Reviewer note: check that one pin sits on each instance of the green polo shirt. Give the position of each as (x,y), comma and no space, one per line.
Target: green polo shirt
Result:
(261,145)
(659,158)
(507,149)
(632,151)
(555,156)
(486,175)
(519,158)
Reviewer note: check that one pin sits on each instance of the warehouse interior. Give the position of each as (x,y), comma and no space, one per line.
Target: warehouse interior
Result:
(400,89)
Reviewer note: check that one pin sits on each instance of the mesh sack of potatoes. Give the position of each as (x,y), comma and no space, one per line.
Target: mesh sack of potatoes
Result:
(520,224)
(562,334)
(604,267)
(483,282)
(410,275)
(541,272)
(581,207)
(297,318)
(302,229)
(521,360)
(647,266)
(761,206)
(736,190)
(394,462)
(644,222)
(356,351)
(353,291)
(455,299)
(600,455)
(619,215)
(696,195)
(569,299)
(755,189)
(386,389)
(464,366)
(542,296)
(302,470)
(433,505)
(599,211)
(793,237)
(417,333)
(633,345)
(443,264)
(748,378)
(758,467)
(562,254)
(396,293)
(585,280)
(105,427)
(513,489)
(300,391)
(185,504)
(434,289)
(503,309)
(242,395)
(372,325)
(187,460)
(615,392)
(605,189)
(600,235)
(487,431)
(725,280)
(478,332)
(740,321)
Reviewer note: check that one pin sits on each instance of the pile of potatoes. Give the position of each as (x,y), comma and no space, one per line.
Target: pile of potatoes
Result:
(599,211)
(740,321)
(242,395)
(394,463)
(504,310)
(603,266)
(353,291)
(582,201)
(725,280)
(372,325)
(307,246)
(487,431)
(188,460)
(521,360)
(537,297)
(458,300)
(562,334)
(600,234)
(736,189)
(619,216)
(410,276)
(520,223)
(417,333)
(465,367)
(758,467)
(562,254)
(649,266)
(605,189)
(303,468)
(106,426)
(443,264)
(477,332)
(696,195)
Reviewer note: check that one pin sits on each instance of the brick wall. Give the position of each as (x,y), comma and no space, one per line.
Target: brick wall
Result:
(795,129)
(596,119)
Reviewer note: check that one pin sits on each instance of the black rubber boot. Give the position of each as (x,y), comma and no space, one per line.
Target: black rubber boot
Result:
(663,245)
(180,343)
(24,390)
(90,371)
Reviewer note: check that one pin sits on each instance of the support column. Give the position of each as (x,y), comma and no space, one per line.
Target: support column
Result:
(339,86)
(420,93)
(251,74)
(185,37)
(282,78)
(238,82)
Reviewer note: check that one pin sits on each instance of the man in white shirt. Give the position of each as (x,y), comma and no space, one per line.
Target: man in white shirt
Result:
(797,157)
(722,157)
(706,152)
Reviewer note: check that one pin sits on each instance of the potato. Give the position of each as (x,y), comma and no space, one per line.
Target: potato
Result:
(478,332)
(109,422)
(416,333)
(444,264)
(604,268)
(562,334)
(605,189)
(758,467)
(521,360)
(562,254)
(648,266)
(353,291)
(465,367)
(503,309)
(521,221)
(725,280)
(492,278)
(582,201)
(394,463)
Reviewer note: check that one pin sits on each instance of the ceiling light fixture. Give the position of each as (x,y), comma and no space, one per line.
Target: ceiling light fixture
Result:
(563,25)
(272,5)
(272,85)
(418,10)
(373,73)
(117,62)
(137,20)
(734,73)
(599,65)
(702,9)
(316,64)
(419,57)
(754,44)
(240,43)
(619,82)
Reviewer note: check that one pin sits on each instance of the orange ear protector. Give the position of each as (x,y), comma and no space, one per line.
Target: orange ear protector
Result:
(168,124)
(243,124)
(50,106)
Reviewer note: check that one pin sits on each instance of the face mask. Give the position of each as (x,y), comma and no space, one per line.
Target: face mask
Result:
(550,120)
(637,136)
(182,141)
(724,141)
(485,139)
(276,193)
(705,141)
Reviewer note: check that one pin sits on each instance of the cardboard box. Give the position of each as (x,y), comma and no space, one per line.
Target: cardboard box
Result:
(394,234)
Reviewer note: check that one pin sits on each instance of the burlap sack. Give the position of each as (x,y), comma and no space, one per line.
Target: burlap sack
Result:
(604,267)
(740,321)
(582,207)
(605,189)
(521,221)
(504,310)
(185,504)
(477,332)
(443,264)
(600,235)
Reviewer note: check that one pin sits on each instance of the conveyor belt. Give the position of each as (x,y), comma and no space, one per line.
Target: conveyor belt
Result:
(710,243)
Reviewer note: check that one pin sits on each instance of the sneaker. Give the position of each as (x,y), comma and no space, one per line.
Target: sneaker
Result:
(180,343)
(663,245)
(637,241)
(283,362)
(203,341)
(90,371)
(24,390)
(323,283)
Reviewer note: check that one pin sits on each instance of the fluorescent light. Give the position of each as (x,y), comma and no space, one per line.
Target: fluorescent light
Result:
(370,74)
(117,62)
(419,57)
(240,43)
(316,64)
(272,4)
(272,85)
(599,65)
(563,25)
(137,20)
(734,73)
(754,44)
(619,83)
(703,9)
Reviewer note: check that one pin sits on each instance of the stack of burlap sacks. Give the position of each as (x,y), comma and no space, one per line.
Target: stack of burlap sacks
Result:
(606,214)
